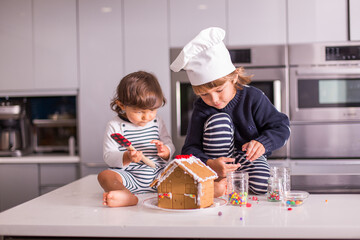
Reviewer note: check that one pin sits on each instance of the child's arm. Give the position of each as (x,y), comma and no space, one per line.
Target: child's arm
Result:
(163,151)
(220,167)
(254,150)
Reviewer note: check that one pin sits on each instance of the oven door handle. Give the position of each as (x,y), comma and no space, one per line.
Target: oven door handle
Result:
(341,162)
(277,94)
(329,71)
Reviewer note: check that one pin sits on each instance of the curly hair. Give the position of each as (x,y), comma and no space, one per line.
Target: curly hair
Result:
(138,89)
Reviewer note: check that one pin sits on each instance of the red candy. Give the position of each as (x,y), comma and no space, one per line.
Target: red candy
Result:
(183,156)
(248,205)
(289,209)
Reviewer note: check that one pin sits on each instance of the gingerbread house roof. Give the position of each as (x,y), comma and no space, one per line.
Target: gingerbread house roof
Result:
(191,165)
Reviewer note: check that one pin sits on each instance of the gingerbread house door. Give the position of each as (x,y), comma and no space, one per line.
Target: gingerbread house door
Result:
(178,201)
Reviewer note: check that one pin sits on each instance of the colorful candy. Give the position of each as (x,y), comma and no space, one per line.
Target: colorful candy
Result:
(293,202)
(273,196)
(162,195)
(238,198)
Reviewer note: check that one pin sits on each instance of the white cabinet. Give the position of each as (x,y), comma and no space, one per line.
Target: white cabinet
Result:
(189,17)
(16,69)
(55,175)
(147,45)
(101,68)
(55,44)
(256,22)
(317,21)
(18,183)
(354,6)
(38,45)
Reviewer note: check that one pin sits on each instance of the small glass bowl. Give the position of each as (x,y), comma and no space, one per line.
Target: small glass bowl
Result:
(295,198)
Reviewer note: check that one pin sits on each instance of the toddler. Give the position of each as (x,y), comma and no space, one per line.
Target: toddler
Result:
(138,96)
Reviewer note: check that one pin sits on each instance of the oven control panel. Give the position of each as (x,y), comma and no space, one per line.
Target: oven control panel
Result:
(336,53)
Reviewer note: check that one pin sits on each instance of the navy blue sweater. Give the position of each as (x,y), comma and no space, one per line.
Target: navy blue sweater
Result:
(254,118)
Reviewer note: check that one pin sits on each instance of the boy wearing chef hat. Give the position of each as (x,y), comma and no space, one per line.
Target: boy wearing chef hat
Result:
(230,119)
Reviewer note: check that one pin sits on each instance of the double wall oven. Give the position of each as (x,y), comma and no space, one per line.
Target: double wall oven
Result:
(266,63)
(325,100)
(325,116)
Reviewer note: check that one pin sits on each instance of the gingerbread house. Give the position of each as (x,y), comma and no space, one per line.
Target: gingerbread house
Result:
(185,183)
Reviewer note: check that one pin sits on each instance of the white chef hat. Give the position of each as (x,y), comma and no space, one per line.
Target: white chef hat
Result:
(205,58)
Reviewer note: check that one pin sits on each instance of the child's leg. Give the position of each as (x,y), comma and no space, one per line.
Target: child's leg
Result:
(115,195)
(218,139)
(259,173)
(220,187)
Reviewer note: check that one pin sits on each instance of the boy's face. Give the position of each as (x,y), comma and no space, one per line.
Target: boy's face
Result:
(219,97)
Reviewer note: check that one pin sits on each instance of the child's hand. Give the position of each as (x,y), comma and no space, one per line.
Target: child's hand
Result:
(254,150)
(134,156)
(220,167)
(163,151)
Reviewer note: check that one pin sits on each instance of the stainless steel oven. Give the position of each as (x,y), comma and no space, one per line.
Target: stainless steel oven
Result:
(266,63)
(325,100)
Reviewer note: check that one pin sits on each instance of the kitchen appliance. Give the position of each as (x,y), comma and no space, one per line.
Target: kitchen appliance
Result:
(14,129)
(325,100)
(54,124)
(266,63)
(55,135)
(325,117)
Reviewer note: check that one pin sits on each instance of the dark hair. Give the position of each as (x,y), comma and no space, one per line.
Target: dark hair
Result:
(138,89)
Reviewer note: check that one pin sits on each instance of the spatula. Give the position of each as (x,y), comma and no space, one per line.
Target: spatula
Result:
(120,139)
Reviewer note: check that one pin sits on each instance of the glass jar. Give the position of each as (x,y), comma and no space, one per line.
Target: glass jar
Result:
(275,190)
(285,174)
(237,187)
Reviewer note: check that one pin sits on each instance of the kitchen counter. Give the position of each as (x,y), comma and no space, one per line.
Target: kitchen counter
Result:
(76,210)
(41,158)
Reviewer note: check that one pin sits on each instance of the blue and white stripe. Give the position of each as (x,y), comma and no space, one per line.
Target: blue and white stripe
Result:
(137,177)
(218,141)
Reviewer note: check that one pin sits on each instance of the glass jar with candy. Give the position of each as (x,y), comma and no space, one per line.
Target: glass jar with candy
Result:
(237,188)
(275,190)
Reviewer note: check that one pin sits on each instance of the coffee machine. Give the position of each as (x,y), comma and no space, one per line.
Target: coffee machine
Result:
(15,128)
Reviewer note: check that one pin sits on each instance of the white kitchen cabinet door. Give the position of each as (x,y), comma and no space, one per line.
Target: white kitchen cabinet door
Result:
(55,44)
(256,22)
(147,44)
(18,183)
(317,21)
(354,20)
(16,69)
(189,17)
(101,68)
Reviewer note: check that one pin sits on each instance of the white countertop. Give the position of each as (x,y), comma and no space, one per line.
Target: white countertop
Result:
(76,210)
(41,158)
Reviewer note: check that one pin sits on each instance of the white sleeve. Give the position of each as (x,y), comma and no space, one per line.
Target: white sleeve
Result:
(111,154)
(165,137)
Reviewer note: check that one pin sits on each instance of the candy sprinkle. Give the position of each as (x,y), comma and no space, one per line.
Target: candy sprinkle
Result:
(241,219)
(326,200)
(219,213)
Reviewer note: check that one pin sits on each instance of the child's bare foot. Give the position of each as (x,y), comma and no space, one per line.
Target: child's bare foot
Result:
(119,198)
(220,187)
